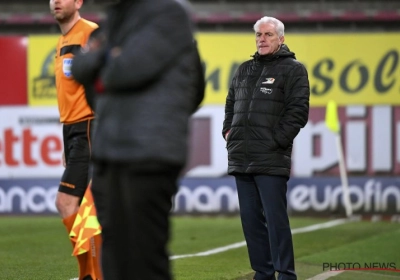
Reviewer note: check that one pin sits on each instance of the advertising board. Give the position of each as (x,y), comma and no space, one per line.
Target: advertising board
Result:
(353,72)
(306,196)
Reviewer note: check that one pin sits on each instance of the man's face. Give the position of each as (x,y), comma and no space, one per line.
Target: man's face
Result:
(64,10)
(267,40)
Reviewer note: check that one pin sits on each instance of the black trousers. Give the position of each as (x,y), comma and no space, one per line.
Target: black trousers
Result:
(133,209)
(76,138)
(265,222)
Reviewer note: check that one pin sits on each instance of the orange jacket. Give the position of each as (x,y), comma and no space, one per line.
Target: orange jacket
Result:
(72,103)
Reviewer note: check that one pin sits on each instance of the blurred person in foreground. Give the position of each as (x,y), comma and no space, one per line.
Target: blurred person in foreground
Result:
(266,106)
(148,78)
(76,116)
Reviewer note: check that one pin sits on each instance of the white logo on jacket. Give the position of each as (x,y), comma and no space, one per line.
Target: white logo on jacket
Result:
(266,90)
(269,81)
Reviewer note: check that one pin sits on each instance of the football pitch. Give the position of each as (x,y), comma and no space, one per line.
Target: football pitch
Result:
(213,248)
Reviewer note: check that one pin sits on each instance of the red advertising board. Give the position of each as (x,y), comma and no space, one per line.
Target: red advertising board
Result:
(13,76)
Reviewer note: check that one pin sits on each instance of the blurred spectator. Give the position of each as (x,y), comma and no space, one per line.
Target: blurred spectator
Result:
(152,78)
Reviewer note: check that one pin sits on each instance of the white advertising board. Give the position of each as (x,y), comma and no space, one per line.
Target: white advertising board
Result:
(30,142)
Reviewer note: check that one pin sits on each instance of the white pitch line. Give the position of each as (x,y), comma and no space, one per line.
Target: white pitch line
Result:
(211,252)
(325,275)
(243,243)
(325,225)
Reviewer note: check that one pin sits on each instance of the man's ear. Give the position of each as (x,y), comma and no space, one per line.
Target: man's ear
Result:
(78,4)
(281,40)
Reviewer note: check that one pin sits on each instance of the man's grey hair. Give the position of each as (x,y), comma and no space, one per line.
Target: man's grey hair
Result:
(279,26)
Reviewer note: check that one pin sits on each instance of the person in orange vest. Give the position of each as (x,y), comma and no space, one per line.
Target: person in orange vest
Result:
(77,117)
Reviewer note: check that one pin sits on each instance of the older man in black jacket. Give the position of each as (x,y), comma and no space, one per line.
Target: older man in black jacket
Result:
(267,105)
(152,81)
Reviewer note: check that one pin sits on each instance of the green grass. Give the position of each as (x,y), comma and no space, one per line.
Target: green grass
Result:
(37,248)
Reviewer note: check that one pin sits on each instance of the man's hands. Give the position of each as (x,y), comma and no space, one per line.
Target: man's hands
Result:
(226,135)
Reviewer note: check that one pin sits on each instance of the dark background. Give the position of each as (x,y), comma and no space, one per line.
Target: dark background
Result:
(32,16)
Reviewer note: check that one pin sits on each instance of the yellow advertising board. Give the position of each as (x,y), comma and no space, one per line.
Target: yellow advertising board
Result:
(41,81)
(349,68)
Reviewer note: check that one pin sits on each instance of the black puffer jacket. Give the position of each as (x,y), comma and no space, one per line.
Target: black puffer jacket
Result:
(151,88)
(267,105)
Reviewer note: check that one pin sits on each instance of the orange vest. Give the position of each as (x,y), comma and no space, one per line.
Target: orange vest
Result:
(71,98)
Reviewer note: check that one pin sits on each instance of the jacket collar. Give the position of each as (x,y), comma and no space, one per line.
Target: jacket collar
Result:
(283,51)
